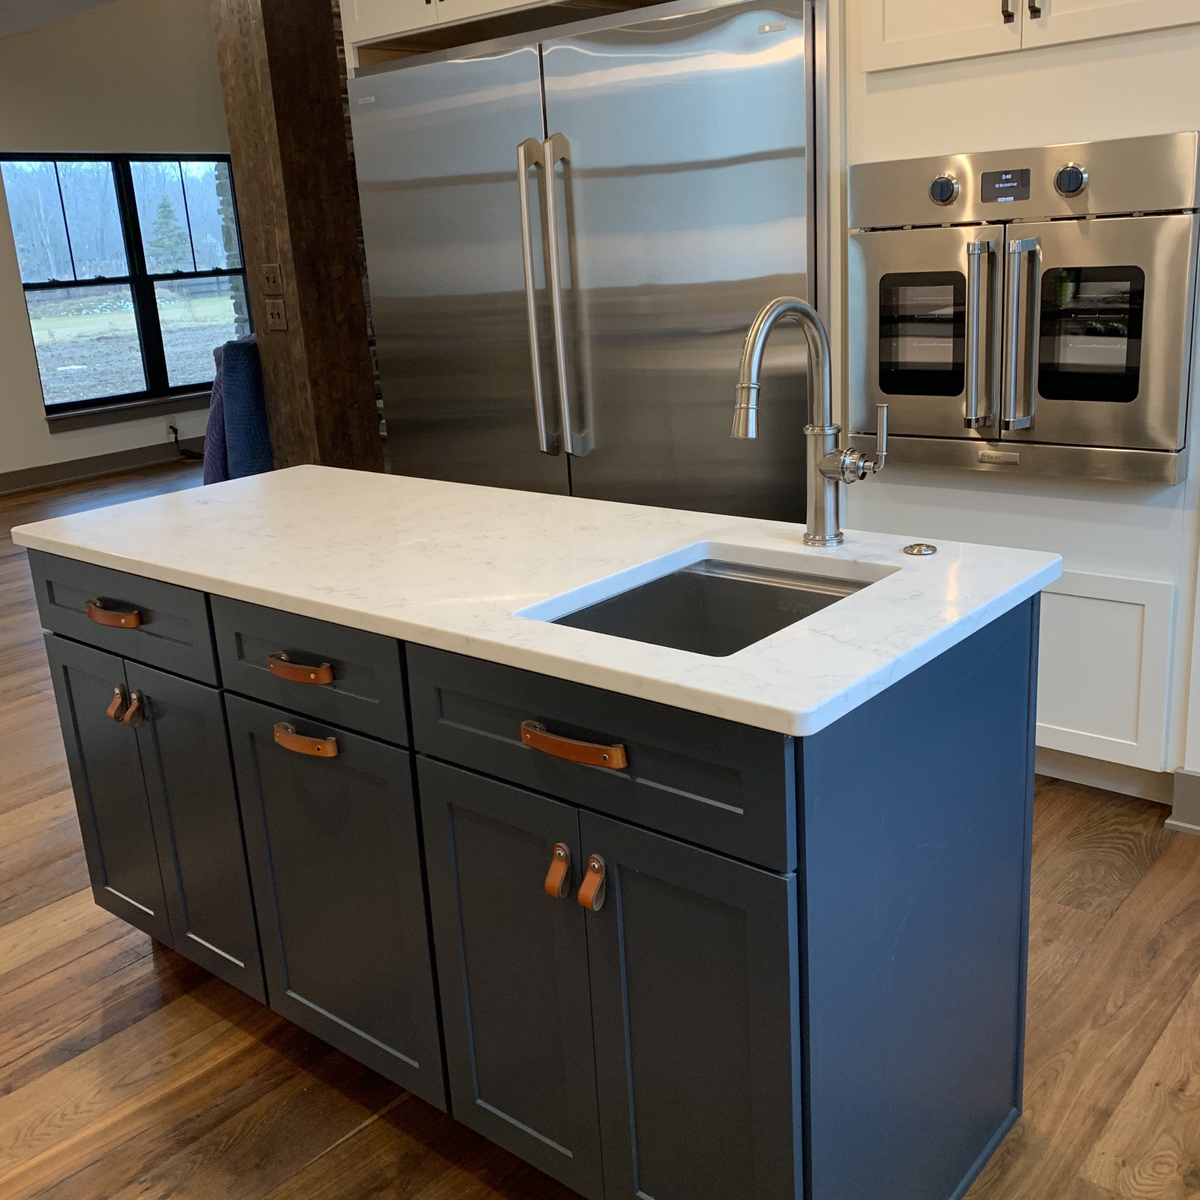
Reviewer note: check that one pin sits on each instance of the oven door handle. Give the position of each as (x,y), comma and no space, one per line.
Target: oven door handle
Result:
(1023,292)
(982,389)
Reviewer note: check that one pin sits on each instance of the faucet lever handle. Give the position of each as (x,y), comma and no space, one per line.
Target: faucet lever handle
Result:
(880,438)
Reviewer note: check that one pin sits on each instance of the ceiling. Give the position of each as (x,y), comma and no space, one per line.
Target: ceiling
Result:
(16,15)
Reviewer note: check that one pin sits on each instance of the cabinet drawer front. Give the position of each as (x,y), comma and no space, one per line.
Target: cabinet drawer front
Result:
(366,693)
(115,818)
(708,781)
(173,629)
(189,780)
(336,868)
(512,962)
(694,964)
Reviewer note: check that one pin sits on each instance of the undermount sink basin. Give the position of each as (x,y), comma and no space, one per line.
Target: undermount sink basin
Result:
(712,606)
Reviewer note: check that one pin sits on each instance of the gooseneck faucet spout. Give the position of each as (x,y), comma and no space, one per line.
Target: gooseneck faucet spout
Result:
(827,465)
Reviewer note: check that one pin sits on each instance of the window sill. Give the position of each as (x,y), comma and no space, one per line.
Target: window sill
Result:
(134,410)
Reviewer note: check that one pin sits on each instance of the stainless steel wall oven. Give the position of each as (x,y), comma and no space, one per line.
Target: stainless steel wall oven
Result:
(1028,310)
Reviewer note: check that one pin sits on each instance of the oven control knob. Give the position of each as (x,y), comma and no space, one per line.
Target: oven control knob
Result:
(1071,180)
(944,190)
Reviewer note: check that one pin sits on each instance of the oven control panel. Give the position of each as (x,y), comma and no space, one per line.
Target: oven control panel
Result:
(1160,173)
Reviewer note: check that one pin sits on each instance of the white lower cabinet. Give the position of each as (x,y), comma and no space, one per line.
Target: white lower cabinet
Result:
(1104,668)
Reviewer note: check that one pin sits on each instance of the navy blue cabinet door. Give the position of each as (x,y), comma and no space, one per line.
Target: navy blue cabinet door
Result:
(512,963)
(695,1003)
(189,780)
(336,868)
(110,793)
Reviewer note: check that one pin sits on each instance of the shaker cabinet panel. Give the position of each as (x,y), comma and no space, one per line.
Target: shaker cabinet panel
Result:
(332,673)
(189,780)
(903,33)
(1077,20)
(512,964)
(110,794)
(336,867)
(695,1001)
(165,625)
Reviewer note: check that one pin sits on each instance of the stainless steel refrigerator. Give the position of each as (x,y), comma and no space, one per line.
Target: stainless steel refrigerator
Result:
(567,238)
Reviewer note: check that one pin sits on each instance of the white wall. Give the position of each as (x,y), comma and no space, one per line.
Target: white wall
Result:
(133,76)
(1117,87)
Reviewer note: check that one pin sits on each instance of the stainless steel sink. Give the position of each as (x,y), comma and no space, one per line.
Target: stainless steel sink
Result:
(712,607)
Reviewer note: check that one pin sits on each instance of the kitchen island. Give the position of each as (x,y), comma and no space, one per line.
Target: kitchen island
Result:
(665,922)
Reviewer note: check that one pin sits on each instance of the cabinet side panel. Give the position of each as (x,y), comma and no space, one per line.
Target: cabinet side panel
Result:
(916,848)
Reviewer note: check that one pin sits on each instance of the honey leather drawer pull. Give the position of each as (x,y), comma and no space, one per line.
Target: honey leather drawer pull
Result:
(136,712)
(534,735)
(116,706)
(558,878)
(282,667)
(592,890)
(287,737)
(112,615)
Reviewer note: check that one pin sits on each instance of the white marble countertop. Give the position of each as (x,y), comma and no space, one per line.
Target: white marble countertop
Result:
(454,566)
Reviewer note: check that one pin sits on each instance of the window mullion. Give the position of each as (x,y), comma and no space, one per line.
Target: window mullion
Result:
(145,302)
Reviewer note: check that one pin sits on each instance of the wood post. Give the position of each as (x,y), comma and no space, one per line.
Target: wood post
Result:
(298,207)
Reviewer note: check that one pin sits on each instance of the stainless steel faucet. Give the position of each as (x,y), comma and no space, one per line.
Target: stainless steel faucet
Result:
(827,465)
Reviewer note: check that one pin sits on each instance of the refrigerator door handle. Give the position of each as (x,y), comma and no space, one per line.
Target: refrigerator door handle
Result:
(982,360)
(558,150)
(1024,304)
(530,154)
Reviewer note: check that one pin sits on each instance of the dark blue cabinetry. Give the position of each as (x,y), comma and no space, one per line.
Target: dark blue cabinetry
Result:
(806,978)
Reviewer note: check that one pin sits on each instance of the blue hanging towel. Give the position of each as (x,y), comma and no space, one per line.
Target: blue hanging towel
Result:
(247,438)
(216,460)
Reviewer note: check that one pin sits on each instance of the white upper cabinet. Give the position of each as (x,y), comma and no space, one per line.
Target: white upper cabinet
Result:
(366,20)
(1075,20)
(903,33)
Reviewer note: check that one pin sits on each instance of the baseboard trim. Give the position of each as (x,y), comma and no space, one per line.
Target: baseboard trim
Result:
(29,478)
(1158,786)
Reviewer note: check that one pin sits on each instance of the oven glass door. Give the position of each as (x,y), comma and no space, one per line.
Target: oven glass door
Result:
(921,330)
(1111,340)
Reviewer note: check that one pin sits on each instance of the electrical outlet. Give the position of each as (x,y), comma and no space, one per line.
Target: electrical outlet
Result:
(272,278)
(277,316)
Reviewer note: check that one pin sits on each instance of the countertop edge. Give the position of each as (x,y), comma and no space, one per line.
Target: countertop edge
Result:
(803,723)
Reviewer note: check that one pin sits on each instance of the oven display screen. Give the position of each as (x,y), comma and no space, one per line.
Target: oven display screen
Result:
(1004,186)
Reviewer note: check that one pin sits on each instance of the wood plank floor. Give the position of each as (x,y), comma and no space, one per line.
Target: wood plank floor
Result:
(126,1072)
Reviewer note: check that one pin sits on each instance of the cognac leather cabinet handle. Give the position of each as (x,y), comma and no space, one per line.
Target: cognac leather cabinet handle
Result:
(287,737)
(558,878)
(115,617)
(282,667)
(591,892)
(136,712)
(116,707)
(534,735)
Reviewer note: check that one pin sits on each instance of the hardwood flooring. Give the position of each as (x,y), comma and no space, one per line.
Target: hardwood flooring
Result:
(127,1072)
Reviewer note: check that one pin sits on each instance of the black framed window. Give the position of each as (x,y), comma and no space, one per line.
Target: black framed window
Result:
(133,272)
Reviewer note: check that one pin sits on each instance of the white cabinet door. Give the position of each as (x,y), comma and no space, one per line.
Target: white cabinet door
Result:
(464,10)
(901,33)
(1075,20)
(1105,668)
(366,20)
